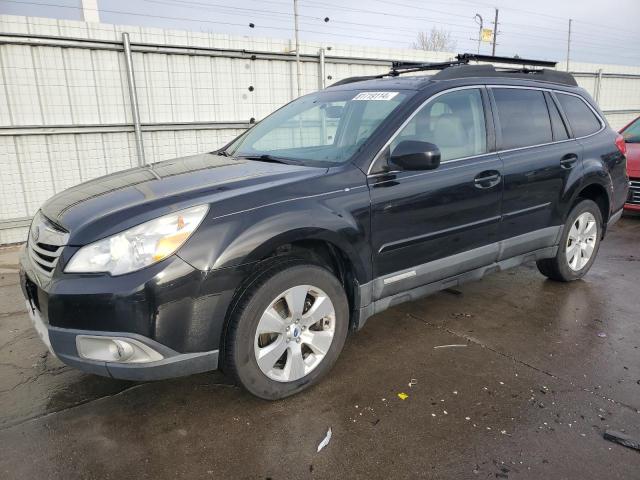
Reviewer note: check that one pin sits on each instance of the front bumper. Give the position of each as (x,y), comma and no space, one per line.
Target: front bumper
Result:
(170,308)
(174,364)
(63,343)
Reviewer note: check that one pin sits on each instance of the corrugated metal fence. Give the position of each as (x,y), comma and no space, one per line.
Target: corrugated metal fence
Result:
(65,101)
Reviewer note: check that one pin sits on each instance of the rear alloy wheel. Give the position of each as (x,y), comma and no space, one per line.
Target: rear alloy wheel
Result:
(287,329)
(581,241)
(579,244)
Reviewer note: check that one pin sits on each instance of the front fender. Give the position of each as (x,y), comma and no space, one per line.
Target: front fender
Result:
(340,218)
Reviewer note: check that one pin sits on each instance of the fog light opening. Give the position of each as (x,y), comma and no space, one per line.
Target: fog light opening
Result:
(115,349)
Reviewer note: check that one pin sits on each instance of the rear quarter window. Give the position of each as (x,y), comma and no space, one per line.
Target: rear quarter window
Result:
(581,118)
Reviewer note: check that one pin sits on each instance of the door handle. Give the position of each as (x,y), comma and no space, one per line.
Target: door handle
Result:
(568,161)
(487,179)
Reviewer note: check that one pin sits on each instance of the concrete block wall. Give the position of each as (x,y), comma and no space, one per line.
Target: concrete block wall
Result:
(65,114)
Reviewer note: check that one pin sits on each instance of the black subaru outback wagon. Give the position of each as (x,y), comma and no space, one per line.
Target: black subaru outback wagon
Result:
(260,257)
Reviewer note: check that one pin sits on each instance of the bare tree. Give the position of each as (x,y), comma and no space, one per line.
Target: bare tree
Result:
(437,40)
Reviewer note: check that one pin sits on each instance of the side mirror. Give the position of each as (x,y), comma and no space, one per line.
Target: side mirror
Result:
(415,155)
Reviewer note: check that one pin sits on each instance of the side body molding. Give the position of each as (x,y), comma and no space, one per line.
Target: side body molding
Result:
(421,280)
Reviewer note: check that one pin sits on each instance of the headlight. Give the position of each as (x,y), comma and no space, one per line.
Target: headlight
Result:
(139,246)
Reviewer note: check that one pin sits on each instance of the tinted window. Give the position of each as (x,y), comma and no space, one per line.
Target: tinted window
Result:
(581,118)
(557,124)
(454,122)
(631,134)
(524,118)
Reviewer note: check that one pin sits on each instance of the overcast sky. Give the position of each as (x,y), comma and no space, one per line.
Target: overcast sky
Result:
(602,31)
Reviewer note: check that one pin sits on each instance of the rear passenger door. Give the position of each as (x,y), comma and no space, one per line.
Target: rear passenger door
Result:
(539,159)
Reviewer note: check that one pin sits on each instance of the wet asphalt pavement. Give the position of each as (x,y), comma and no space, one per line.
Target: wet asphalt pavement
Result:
(539,371)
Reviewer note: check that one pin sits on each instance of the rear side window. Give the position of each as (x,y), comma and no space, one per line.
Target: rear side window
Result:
(581,118)
(557,125)
(524,118)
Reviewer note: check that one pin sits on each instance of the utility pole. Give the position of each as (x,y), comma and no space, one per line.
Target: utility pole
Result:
(298,73)
(569,45)
(478,16)
(495,33)
(90,12)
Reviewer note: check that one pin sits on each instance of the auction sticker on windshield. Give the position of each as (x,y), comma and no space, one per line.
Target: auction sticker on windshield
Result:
(375,96)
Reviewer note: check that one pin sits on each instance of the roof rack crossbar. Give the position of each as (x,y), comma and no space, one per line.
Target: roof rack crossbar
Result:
(398,68)
(509,60)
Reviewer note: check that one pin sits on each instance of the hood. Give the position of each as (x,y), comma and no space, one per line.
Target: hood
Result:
(112,203)
(633,159)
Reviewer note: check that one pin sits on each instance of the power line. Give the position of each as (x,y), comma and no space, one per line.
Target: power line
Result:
(267,14)
(385,14)
(435,21)
(139,14)
(558,18)
(376,37)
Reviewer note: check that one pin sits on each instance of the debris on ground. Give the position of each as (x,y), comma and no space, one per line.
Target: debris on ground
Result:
(451,346)
(413,382)
(622,439)
(325,441)
(403,396)
(602,335)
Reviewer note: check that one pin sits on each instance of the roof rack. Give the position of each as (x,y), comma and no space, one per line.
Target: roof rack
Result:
(398,68)
(460,68)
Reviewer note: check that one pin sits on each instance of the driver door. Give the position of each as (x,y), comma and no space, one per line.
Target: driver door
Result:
(431,225)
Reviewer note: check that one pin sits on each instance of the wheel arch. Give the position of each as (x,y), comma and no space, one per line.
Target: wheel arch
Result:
(596,192)
(313,245)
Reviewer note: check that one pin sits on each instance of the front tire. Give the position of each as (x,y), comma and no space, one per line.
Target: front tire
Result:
(287,329)
(579,244)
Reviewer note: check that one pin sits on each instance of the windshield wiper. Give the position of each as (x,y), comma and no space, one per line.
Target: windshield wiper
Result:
(270,158)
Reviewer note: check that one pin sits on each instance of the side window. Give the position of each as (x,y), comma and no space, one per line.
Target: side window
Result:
(581,118)
(524,118)
(454,122)
(631,134)
(557,124)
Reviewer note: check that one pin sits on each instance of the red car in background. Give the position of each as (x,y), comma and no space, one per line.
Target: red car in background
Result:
(631,135)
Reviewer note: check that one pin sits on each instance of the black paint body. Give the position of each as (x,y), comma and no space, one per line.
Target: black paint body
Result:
(380,222)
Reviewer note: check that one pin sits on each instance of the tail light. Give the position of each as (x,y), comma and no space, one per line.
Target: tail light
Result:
(620,143)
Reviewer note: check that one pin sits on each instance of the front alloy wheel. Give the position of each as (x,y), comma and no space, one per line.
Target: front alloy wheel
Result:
(294,333)
(287,328)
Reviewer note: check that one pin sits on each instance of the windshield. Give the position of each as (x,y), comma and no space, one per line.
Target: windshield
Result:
(320,129)
(631,134)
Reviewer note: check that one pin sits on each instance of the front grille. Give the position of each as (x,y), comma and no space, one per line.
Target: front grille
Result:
(45,244)
(634,191)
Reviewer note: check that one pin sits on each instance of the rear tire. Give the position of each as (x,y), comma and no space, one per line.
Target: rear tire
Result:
(578,246)
(287,329)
